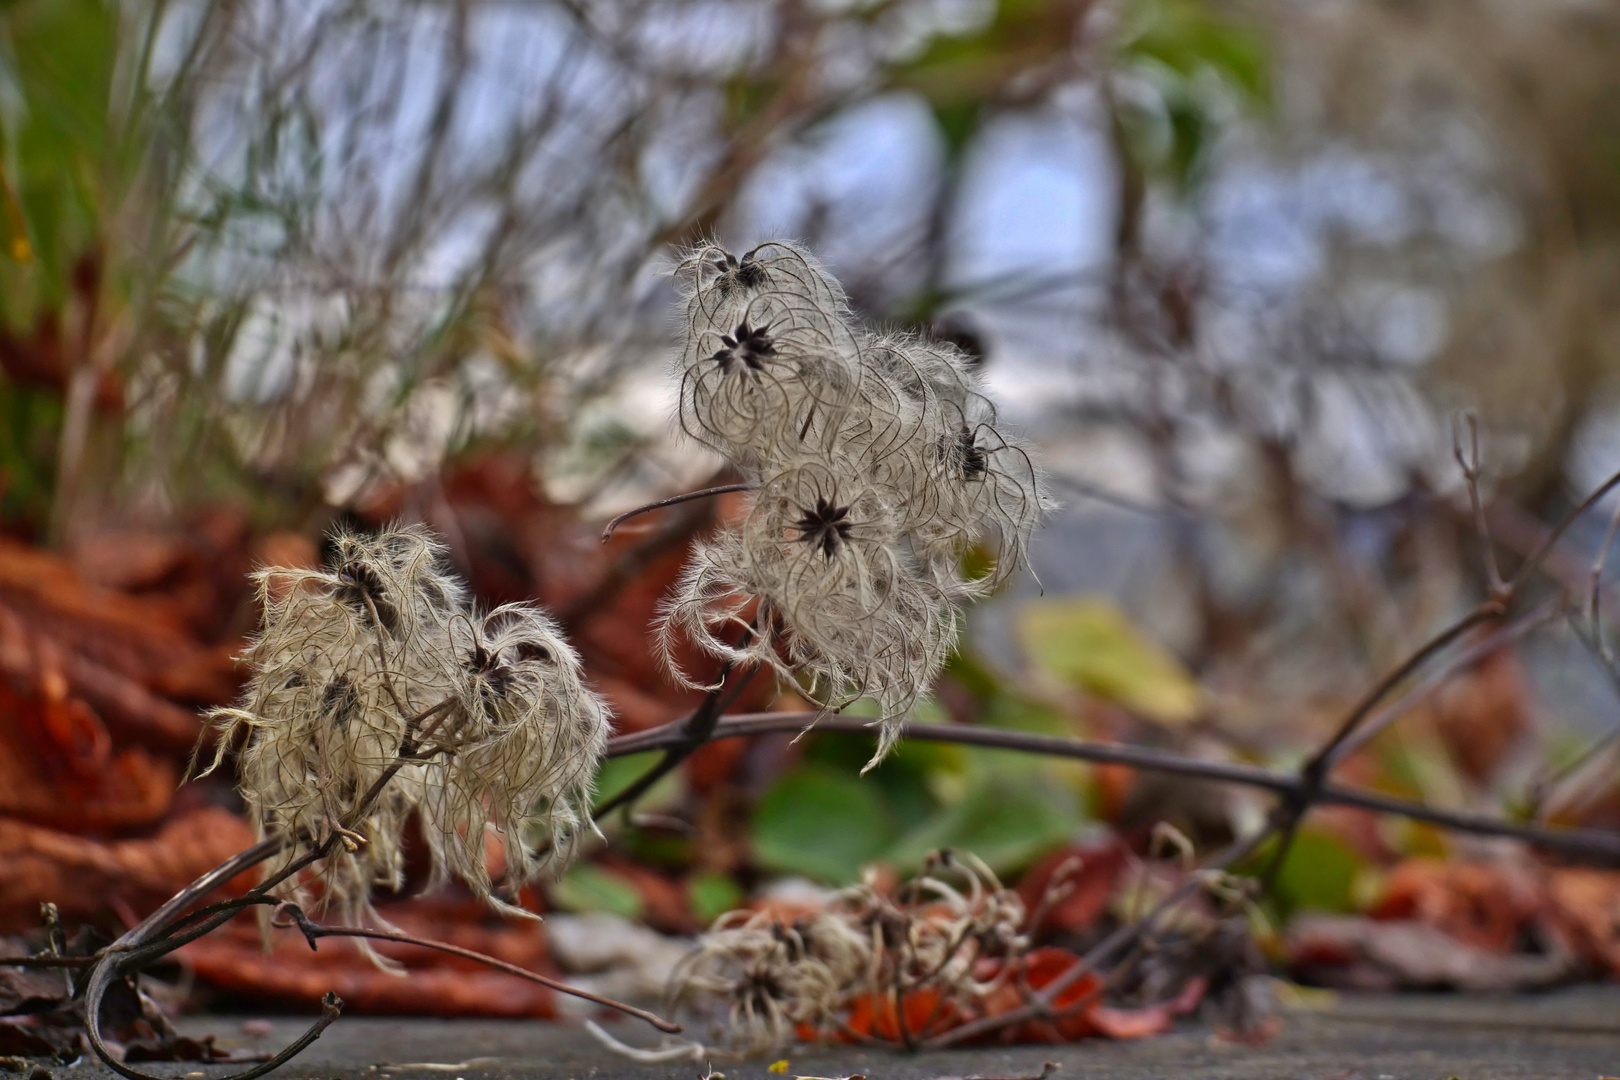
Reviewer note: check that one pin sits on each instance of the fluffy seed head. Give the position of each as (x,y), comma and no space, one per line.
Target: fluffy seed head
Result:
(769,365)
(762,979)
(880,463)
(377,693)
(525,748)
(756,980)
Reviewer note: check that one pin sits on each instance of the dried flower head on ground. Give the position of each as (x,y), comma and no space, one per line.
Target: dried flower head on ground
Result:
(903,966)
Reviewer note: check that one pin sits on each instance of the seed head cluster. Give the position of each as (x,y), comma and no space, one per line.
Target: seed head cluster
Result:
(759,980)
(379,692)
(878,463)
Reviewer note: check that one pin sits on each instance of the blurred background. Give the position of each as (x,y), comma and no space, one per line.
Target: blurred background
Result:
(1235,267)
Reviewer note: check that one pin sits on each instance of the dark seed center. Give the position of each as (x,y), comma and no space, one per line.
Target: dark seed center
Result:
(825,527)
(745,346)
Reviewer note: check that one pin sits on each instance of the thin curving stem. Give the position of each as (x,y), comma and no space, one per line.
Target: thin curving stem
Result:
(673,500)
(314,931)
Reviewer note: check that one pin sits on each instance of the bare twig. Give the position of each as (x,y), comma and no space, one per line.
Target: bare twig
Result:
(1494,607)
(1500,638)
(1542,550)
(1588,842)
(1088,490)
(1319,761)
(314,931)
(677,530)
(673,500)
(155,935)
(1594,597)
(695,730)
(1469,461)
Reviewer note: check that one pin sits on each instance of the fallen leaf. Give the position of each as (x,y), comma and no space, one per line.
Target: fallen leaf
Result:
(1088,885)
(1092,645)
(1360,953)
(875,1015)
(434,984)
(1586,904)
(87,879)
(25,990)
(1487,905)
(1082,1013)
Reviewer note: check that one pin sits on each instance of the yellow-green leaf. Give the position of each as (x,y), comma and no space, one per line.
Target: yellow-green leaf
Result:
(1092,645)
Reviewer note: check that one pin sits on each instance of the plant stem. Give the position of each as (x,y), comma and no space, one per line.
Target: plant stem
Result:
(314,931)
(1587,842)
(673,500)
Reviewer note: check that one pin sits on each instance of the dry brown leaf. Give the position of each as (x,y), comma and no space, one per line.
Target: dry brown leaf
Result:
(1481,714)
(58,768)
(93,880)
(1586,904)
(434,984)
(1482,904)
(132,659)
(1356,952)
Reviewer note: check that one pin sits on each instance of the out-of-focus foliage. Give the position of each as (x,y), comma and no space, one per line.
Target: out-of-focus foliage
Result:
(304,249)
(1091,645)
(1233,265)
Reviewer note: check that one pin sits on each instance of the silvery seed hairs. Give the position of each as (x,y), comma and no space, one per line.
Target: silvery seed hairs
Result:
(379,660)
(758,981)
(878,461)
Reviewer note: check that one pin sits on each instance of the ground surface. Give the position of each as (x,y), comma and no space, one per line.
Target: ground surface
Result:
(1567,1034)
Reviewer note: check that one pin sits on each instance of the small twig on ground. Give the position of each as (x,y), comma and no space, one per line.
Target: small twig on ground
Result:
(435,1066)
(1047,1070)
(694,1052)
(314,931)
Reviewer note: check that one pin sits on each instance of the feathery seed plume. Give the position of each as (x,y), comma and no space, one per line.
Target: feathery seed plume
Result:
(379,691)
(878,462)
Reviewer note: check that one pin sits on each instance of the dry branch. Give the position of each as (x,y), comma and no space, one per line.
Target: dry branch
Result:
(1574,842)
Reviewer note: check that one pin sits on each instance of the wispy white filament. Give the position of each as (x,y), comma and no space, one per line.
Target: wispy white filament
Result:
(379,654)
(879,465)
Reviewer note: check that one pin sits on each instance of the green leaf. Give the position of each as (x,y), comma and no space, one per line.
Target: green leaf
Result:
(1008,819)
(712,895)
(619,773)
(1319,872)
(958,122)
(590,888)
(821,823)
(1090,644)
(1020,714)
(59,59)
(1188,37)
(976,679)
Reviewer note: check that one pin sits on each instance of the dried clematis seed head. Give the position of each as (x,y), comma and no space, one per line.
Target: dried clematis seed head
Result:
(377,694)
(880,463)
(826,595)
(769,364)
(758,982)
(527,743)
